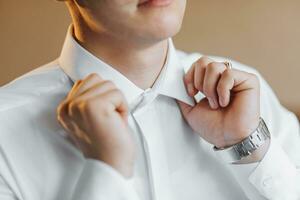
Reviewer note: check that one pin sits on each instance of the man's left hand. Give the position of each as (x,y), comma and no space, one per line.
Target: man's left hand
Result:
(231,110)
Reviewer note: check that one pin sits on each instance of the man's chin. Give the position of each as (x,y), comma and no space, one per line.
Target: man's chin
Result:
(167,31)
(154,38)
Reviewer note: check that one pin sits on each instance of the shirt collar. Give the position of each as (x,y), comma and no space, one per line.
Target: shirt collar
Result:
(77,63)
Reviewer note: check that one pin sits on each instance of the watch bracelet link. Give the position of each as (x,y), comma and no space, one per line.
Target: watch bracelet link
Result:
(245,148)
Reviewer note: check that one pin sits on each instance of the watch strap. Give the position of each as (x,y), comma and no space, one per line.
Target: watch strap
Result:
(245,148)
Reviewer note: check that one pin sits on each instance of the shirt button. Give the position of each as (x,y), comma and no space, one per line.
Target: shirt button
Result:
(267,182)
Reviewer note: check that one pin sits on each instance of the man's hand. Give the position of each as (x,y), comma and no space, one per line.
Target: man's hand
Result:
(231,110)
(95,115)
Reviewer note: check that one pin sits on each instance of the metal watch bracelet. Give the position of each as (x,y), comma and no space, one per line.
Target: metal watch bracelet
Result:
(245,148)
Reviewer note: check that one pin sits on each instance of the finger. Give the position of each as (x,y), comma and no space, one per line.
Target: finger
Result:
(211,78)
(194,76)
(185,108)
(79,136)
(112,100)
(74,88)
(85,84)
(75,133)
(63,118)
(96,90)
(200,72)
(225,84)
(235,81)
(117,100)
(69,125)
(189,81)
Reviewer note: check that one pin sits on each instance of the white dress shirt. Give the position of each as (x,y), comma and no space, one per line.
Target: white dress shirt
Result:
(39,162)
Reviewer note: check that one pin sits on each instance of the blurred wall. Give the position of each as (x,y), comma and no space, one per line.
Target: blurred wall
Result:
(261,33)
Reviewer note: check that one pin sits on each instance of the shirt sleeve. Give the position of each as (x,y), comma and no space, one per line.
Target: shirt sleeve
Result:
(99,181)
(277,175)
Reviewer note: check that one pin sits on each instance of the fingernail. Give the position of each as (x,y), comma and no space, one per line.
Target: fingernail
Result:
(190,89)
(222,102)
(212,103)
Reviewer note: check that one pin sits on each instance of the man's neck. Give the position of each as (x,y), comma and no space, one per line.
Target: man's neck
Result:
(140,64)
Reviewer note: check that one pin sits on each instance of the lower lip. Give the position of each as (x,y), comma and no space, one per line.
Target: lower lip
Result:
(157,3)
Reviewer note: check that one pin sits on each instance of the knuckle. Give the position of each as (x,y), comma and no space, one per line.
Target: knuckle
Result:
(212,67)
(93,76)
(116,92)
(80,106)
(87,107)
(90,76)
(200,63)
(208,91)
(215,67)
(203,60)
(71,106)
(227,73)
(109,84)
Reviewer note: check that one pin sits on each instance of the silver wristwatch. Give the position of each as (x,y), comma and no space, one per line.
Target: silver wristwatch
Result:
(247,146)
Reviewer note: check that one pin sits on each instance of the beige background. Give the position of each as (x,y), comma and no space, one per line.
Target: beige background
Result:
(260,33)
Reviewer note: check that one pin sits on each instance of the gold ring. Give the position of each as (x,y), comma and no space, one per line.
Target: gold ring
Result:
(228,65)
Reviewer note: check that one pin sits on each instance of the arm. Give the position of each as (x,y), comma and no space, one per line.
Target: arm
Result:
(235,100)
(277,175)
(95,115)
(99,181)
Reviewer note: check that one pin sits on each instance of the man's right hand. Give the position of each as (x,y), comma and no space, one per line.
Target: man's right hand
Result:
(95,115)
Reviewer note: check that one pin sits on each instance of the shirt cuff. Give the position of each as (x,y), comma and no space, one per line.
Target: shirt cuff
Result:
(274,177)
(99,181)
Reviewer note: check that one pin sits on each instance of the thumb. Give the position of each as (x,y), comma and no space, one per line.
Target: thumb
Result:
(185,108)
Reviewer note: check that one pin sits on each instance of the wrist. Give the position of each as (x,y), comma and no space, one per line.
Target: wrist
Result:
(124,164)
(125,168)
(257,143)
(237,135)
(257,155)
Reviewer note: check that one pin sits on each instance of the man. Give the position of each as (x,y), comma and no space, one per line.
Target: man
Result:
(128,126)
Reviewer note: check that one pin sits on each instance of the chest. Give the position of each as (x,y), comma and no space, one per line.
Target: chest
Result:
(173,161)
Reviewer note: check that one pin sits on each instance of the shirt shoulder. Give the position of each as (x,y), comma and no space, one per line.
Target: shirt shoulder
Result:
(29,87)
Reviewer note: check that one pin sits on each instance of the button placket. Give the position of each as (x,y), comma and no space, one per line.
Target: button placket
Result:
(157,165)
(143,116)
(136,110)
